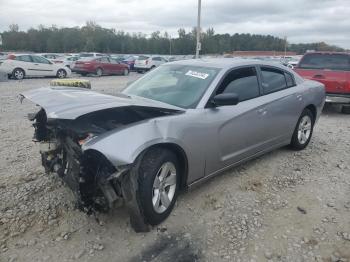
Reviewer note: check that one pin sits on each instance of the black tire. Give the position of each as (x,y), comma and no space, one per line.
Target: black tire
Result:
(147,172)
(152,67)
(99,71)
(296,144)
(61,73)
(345,109)
(139,71)
(18,73)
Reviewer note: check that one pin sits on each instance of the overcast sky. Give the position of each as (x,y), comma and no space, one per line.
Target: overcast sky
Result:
(299,20)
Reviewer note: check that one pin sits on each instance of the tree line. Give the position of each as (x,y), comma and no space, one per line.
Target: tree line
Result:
(92,37)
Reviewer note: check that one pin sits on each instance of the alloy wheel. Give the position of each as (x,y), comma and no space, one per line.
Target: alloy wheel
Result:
(164,187)
(19,74)
(304,129)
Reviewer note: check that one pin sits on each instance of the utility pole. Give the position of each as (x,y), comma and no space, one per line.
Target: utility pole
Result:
(198,45)
(285,47)
(169,45)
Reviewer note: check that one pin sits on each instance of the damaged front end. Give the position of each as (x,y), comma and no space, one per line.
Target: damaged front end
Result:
(92,178)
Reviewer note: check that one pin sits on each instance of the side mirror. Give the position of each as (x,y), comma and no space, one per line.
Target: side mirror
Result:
(228,99)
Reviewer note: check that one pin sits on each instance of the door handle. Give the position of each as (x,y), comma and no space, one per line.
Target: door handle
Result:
(299,97)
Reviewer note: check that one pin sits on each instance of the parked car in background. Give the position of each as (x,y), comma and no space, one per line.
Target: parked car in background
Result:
(130,61)
(90,55)
(333,70)
(100,66)
(67,61)
(144,63)
(19,66)
(173,128)
(51,56)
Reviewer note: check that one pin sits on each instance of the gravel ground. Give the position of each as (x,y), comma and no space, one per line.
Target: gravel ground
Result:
(284,206)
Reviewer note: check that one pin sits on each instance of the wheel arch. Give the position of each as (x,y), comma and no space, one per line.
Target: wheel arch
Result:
(181,156)
(313,110)
(17,67)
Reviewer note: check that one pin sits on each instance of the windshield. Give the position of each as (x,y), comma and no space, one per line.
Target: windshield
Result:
(178,85)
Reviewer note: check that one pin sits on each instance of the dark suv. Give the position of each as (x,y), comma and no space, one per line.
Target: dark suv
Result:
(333,70)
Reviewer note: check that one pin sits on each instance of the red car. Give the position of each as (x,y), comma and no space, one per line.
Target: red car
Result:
(333,70)
(100,66)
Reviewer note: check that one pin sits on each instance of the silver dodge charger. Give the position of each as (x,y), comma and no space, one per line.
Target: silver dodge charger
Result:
(174,128)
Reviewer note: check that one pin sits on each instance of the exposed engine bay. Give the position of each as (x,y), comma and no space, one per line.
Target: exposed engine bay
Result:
(96,183)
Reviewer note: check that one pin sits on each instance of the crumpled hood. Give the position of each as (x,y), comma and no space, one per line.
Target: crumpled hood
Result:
(70,103)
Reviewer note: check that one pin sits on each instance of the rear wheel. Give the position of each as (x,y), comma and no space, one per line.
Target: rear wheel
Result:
(303,130)
(99,72)
(61,73)
(345,109)
(18,73)
(158,184)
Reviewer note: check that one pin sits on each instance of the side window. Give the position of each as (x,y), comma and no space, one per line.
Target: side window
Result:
(289,79)
(325,61)
(272,80)
(156,58)
(24,58)
(243,82)
(104,60)
(41,60)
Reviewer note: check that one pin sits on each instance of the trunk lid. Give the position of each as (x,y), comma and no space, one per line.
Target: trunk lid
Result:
(71,103)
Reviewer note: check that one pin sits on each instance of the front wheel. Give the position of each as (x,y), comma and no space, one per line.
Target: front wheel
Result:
(61,73)
(159,179)
(303,130)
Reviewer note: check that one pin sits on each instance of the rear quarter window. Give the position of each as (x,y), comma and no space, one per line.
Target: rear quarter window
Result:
(326,61)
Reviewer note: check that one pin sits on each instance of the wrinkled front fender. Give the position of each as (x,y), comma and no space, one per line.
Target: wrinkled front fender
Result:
(122,146)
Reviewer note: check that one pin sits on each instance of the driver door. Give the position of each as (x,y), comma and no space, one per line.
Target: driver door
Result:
(237,131)
(42,67)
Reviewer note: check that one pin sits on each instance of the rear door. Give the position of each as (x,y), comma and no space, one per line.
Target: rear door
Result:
(283,102)
(25,62)
(330,69)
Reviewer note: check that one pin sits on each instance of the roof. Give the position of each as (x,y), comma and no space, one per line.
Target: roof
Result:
(223,62)
(262,53)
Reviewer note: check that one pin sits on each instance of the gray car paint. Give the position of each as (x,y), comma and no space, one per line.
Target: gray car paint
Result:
(211,138)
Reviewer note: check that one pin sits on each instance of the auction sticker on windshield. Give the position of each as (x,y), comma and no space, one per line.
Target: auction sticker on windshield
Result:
(197,74)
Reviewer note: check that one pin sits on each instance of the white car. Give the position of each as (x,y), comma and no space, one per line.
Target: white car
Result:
(28,65)
(90,55)
(144,63)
